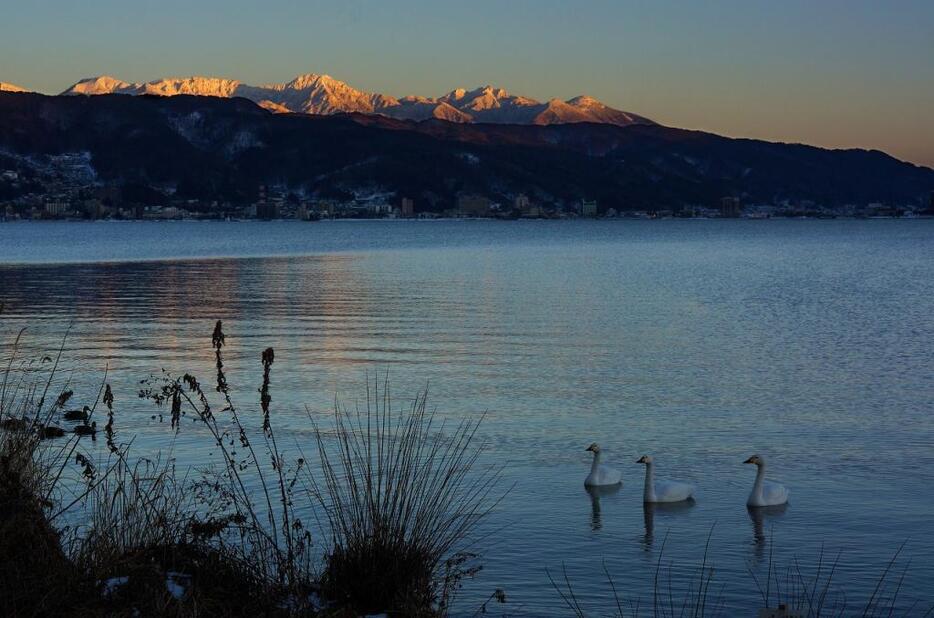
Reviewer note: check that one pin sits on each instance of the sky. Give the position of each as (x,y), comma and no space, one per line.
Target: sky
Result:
(833,73)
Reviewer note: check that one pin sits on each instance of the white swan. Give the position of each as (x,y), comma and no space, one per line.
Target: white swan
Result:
(765,493)
(600,474)
(663,491)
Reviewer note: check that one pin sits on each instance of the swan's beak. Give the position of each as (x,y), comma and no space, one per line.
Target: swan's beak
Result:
(589,448)
(640,460)
(749,461)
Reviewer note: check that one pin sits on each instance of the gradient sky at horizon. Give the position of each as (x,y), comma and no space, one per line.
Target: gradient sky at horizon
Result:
(834,73)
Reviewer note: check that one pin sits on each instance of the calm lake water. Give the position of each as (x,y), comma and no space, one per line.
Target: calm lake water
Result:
(698,342)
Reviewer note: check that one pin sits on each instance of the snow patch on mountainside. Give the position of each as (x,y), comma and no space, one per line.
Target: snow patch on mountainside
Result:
(274,107)
(243,140)
(190,127)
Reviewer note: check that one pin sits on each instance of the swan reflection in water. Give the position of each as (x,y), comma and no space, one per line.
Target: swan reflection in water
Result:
(596,492)
(759,515)
(650,509)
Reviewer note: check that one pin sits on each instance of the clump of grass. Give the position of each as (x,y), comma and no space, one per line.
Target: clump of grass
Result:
(144,528)
(137,505)
(36,576)
(693,599)
(32,562)
(798,593)
(401,497)
(814,595)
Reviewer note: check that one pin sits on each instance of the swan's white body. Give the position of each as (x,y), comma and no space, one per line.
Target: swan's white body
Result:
(765,493)
(600,474)
(663,491)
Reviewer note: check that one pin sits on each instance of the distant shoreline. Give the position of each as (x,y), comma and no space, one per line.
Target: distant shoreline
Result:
(468,219)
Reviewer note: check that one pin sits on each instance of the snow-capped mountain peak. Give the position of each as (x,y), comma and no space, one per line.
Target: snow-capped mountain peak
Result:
(305,82)
(585,101)
(204,86)
(314,93)
(456,95)
(102,84)
(8,87)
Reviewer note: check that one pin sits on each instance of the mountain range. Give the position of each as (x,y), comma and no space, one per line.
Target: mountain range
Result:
(215,148)
(322,94)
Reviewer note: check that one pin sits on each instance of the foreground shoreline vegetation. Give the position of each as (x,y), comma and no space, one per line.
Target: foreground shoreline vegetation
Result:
(400,492)
(399,496)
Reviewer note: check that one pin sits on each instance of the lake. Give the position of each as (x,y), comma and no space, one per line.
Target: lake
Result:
(697,342)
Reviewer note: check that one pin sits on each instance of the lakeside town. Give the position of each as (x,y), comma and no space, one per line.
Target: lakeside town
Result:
(67,187)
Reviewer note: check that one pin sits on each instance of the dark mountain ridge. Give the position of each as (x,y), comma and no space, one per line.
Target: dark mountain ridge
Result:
(224,148)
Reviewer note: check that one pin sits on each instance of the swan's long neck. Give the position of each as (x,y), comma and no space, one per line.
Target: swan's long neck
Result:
(649,493)
(760,478)
(596,461)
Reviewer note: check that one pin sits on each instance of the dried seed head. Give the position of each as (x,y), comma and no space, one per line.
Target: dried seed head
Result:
(217,338)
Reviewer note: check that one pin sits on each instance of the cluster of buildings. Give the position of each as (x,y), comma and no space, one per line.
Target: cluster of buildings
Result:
(66,187)
(82,200)
(271,205)
(276,205)
(521,206)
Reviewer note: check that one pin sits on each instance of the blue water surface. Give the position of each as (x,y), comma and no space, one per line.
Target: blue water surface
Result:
(698,342)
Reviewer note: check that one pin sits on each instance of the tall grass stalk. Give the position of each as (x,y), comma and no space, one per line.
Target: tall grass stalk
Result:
(273,540)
